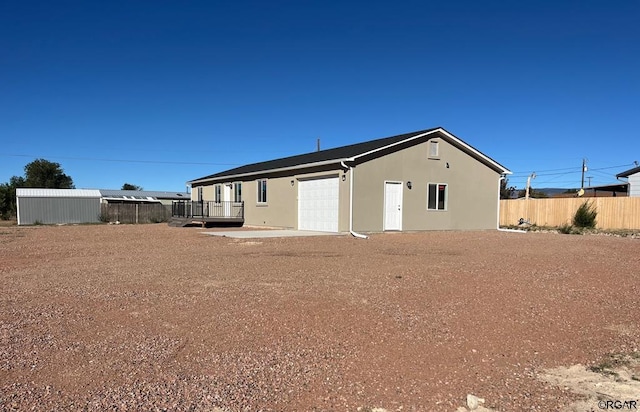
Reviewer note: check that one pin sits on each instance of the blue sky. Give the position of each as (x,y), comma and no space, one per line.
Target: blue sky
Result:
(156,93)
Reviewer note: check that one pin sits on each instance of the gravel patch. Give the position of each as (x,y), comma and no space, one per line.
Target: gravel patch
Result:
(149,317)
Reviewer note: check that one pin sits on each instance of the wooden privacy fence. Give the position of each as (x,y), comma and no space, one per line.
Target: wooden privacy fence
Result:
(613,212)
(135,213)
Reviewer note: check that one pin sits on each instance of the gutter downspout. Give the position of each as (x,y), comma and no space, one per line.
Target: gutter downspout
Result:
(502,177)
(351,179)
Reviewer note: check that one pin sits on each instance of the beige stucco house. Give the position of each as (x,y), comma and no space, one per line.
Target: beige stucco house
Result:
(425,180)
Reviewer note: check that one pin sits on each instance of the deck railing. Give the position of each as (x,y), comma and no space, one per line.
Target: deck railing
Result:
(207,209)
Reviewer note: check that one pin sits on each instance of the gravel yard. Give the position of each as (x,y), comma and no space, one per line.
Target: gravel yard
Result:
(151,317)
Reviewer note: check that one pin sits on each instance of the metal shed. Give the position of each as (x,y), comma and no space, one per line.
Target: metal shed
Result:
(51,206)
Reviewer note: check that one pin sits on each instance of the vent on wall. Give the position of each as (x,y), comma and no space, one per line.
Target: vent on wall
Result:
(433,149)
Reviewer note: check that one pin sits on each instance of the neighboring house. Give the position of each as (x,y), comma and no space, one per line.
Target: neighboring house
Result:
(425,180)
(633,178)
(54,206)
(610,190)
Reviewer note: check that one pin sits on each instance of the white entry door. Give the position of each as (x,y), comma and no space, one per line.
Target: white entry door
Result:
(226,197)
(318,204)
(392,206)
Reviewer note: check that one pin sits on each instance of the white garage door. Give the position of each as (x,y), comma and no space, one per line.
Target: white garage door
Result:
(318,204)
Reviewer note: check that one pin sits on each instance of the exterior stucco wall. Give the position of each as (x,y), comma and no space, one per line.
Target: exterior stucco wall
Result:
(281,208)
(278,211)
(472,190)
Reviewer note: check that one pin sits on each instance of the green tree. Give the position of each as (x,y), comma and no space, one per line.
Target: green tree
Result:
(45,174)
(8,197)
(39,173)
(506,191)
(533,193)
(129,186)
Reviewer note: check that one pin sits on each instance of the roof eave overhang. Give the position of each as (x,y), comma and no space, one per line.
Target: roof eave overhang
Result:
(492,163)
(495,165)
(269,171)
(487,160)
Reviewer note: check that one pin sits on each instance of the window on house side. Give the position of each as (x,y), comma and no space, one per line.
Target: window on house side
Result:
(218,193)
(262,191)
(237,192)
(437,196)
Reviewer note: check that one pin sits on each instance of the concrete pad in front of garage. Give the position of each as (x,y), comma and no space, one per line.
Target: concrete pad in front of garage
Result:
(259,234)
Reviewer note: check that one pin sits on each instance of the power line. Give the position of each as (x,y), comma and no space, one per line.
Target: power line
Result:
(548,170)
(577,169)
(612,167)
(122,160)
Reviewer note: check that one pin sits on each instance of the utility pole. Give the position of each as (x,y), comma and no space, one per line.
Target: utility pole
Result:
(589,177)
(531,176)
(584,169)
(318,145)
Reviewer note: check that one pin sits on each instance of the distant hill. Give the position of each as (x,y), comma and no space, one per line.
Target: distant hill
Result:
(549,191)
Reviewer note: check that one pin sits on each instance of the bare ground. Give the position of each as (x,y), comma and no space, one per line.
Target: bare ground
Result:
(158,318)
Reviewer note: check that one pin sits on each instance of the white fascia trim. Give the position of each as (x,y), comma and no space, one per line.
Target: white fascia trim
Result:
(395,144)
(450,136)
(504,170)
(282,169)
(351,159)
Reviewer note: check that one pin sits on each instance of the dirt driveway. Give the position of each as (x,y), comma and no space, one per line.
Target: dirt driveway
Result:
(150,317)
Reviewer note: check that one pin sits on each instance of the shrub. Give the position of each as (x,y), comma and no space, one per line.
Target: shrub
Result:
(568,229)
(565,229)
(585,216)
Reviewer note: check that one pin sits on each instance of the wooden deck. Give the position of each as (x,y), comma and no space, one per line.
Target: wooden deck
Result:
(225,213)
(205,221)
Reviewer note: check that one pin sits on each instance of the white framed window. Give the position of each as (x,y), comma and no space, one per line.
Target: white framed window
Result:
(237,192)
(262,191)
(217,197)
(434,149)
(199,194)
(437,195)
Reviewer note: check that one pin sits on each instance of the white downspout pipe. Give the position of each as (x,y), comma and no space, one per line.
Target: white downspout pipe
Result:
(502,177)
(351,179)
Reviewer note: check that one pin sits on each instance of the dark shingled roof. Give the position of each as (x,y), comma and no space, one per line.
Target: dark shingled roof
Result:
(336,154)
(629,172)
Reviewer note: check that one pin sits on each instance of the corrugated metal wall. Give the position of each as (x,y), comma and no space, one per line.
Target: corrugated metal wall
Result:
(634,185)
(53,210)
